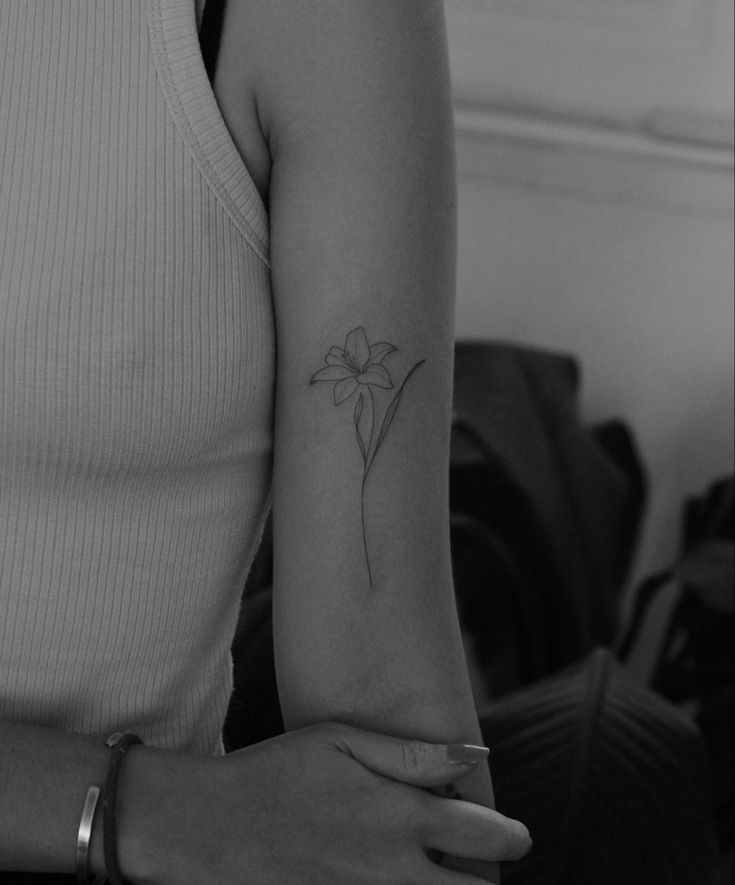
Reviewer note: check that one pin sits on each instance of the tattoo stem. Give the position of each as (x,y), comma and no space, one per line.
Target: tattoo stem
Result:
(364,534)
(368,457)
(366,470)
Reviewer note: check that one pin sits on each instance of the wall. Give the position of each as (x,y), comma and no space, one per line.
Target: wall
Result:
(614,244)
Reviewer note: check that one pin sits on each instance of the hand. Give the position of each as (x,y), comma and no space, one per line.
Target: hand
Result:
(328,804)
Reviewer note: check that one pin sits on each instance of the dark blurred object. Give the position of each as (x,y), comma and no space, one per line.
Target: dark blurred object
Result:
(609,778)
(545,513)
(8,878)
(694,665)
(254,713)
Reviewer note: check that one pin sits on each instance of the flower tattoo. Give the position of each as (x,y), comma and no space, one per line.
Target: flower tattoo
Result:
(358,369)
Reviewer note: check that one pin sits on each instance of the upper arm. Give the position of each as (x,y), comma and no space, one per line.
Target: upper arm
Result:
(353,96)
(354,102)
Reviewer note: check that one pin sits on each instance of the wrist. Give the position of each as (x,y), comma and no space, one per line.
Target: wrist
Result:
(139,806)
(155,806)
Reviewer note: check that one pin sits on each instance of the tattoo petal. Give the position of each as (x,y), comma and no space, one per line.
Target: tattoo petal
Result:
(378,352)
(344,389)
(336,357)
(357,348)
(332,373)
(377,375)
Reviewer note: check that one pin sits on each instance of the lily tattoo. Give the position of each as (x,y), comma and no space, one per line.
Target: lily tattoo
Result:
(358,369)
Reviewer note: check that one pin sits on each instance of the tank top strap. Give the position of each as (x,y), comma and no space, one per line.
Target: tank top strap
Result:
(210,34)
(183,79)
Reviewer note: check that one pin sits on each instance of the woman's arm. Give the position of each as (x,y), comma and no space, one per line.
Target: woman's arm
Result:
(44,777)
(331,800)
(354,99)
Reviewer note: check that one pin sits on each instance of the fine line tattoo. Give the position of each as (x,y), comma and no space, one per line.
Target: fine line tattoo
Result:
(358,369)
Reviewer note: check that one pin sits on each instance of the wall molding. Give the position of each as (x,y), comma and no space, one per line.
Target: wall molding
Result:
(490,122)
(622,61)
(594,162)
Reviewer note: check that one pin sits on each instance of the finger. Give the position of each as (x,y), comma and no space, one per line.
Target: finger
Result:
(418,763)
(431,874)
(487,870)
(464,829)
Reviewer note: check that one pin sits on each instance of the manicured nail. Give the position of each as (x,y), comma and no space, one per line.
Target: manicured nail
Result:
(467,755)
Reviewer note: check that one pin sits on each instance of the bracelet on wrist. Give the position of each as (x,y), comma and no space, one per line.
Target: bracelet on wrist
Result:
(119,744)
(84,837)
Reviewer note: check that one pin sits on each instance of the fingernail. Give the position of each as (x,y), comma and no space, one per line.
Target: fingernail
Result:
(468,755)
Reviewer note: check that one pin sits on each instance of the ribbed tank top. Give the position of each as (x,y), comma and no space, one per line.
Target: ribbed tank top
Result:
(136,373)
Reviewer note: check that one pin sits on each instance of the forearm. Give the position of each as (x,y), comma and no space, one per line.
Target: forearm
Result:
(44,777)
(402,677)
(388,663)
(388,656)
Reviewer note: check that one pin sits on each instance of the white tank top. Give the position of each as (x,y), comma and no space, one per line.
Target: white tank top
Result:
(136,373)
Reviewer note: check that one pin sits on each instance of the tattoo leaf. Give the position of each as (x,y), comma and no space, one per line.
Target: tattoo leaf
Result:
(391,412)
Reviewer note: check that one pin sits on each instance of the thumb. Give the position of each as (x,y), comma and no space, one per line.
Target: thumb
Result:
(418,763)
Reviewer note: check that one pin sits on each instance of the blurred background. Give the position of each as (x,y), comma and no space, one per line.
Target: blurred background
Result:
(594,149)
(595,282)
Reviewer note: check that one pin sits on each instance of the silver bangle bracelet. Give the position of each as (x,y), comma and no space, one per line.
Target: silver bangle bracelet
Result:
(84,837)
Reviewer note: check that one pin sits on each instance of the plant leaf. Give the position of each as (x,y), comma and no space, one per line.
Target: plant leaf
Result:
(589,758)
(391,411)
